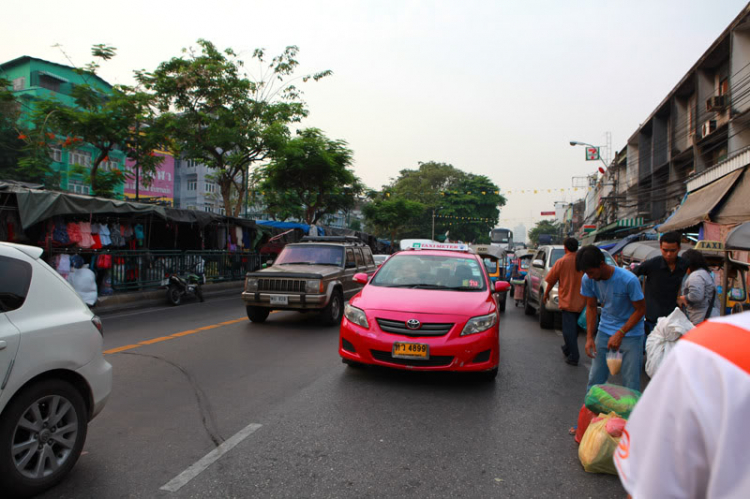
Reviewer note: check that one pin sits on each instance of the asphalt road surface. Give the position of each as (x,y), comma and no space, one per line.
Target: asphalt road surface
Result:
(207,404)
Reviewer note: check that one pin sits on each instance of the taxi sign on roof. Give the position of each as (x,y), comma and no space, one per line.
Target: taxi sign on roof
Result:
(440,246)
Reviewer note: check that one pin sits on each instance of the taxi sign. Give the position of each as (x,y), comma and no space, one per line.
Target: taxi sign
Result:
(440,246)
(709,246)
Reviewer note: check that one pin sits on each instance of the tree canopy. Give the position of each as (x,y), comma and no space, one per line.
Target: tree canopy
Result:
(543,227)
(220,117)
(390,216)
(308,177)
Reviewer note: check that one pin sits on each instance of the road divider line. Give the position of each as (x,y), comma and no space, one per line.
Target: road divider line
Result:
(201,465)
(173,336)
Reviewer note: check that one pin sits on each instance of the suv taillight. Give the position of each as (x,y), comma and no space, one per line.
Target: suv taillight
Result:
(96,321)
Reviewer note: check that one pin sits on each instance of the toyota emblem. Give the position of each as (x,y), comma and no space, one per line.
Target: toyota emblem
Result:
(413,324)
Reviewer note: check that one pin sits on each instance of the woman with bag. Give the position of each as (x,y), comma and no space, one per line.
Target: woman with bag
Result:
(698,291)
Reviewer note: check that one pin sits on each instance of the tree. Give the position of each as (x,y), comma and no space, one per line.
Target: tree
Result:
(543,227)
(391,216)
(122,120)
(309,177)
(464,204)
(221,118)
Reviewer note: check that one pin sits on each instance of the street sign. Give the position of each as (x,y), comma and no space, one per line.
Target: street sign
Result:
(548,213)
(592,153)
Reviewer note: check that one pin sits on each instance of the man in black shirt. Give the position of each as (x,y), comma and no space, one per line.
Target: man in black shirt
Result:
(664,276)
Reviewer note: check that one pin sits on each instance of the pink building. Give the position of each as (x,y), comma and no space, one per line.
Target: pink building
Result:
(161,188)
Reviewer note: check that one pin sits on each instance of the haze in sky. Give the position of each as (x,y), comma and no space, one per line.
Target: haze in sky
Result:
(497,88)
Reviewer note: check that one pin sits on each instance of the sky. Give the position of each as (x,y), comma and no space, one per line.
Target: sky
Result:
(496,88)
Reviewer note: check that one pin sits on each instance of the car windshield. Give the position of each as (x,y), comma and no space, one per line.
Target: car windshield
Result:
(431,272)
(311,255)
(556,255)
(490,265)
(525,263)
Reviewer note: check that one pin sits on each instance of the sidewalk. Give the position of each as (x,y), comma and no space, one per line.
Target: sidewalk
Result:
(158,297)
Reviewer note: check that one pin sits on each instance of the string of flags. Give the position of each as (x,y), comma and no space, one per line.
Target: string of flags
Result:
(466,219)
(482,193)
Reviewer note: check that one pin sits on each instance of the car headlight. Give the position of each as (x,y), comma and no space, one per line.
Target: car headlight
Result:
(356,316)
(314,286)
(479,324)
(251,284)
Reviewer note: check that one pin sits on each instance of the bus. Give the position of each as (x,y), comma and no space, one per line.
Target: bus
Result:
(502,238)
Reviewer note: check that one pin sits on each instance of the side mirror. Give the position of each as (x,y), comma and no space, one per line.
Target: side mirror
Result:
(538,264)
(501,286)
(361,278)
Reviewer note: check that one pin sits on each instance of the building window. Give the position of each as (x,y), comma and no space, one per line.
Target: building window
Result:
(110,165)
(210,187)
(222,211)
(724,86)
(78,187)
(19,83)
(190,163)
(49,83)
(208,209)
(56,154)
(82,158)
(192,185)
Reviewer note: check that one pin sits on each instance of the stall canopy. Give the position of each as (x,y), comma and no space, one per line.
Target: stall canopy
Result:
(736,208)
(739,238)
(699,204)
(36,205)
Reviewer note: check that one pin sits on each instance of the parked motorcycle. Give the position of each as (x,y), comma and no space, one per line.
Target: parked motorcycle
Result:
(181,286)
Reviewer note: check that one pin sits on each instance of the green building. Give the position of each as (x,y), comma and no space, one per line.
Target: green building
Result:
(34,79)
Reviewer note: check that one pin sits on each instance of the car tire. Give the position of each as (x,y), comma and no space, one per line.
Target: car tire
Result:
(546,318)
(528,309)
(503,301)
(17,471)
(257,314)
(174,296)
(332,313)
(488,376)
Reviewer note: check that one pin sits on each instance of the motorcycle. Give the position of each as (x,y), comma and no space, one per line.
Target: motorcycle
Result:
(181,286)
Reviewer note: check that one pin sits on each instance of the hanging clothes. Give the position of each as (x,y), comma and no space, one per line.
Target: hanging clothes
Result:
(63,265)
(74,232)
(104,235)
(86,240)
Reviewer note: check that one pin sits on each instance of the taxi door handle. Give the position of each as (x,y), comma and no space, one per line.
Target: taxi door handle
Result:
(3,345)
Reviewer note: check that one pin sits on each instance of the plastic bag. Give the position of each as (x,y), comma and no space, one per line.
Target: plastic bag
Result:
(664,337)
(582,319)
(584,420)
(598,447)
(83,281)
(614,362)
(608,398)
(615,426)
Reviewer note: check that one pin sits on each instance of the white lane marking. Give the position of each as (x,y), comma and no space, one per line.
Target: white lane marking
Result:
(149,310)
(200,466)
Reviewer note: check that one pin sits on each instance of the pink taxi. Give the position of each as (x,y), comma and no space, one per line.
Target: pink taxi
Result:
(430,308)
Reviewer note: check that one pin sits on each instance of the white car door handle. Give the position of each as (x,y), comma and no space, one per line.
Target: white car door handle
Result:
(3,345)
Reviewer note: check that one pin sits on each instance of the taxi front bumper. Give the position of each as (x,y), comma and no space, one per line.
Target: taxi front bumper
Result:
(451,352)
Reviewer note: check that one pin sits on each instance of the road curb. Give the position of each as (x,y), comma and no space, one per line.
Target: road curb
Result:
(147,299)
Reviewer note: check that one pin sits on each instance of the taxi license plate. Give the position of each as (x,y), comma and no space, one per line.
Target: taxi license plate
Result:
(411,351)
(279,300)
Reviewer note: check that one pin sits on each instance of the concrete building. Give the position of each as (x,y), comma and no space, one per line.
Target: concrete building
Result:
(33,79)
(195,187)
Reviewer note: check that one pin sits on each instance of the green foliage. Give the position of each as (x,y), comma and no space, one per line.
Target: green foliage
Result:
(309,177)
(543,227)
(391,216)
(355,224)
(221,118)
(121,120)
(452,193)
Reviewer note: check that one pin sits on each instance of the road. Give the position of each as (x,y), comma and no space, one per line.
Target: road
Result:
(207,404)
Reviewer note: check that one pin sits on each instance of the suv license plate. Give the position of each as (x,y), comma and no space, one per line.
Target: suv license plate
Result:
(279,300)
(411,351)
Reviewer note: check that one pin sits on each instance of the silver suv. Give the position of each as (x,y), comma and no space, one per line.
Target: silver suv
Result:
(314,274)
(542,262)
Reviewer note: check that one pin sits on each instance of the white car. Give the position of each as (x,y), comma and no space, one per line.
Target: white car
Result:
(53,376)
(380,259)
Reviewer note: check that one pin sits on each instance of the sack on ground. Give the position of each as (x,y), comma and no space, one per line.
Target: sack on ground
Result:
(664,337)
(584,419)
(598,446)
(608,398)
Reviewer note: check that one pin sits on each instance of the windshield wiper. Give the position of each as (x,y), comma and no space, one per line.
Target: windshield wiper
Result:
(463,288)
(297,263)
(431,286)
(401,285)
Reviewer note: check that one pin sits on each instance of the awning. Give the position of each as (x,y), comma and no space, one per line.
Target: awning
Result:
(699,204)
(736,208)
(739,238)
(626,223)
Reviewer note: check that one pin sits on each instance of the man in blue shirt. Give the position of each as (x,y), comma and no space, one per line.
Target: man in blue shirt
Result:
(621,323)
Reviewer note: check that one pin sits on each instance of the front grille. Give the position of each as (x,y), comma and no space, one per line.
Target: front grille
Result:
(285,285)
(426,329)
(433,361)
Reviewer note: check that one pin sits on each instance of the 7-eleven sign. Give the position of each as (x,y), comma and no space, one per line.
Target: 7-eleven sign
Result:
(592,153)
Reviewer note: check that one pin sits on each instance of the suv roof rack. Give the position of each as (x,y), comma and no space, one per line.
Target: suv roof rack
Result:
(331,239)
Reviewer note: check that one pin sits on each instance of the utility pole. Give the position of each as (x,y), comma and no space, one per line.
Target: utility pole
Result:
(433,224)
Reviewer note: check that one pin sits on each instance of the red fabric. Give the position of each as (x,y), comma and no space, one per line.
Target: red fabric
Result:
(615,426)
(97,241)
(584,419)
